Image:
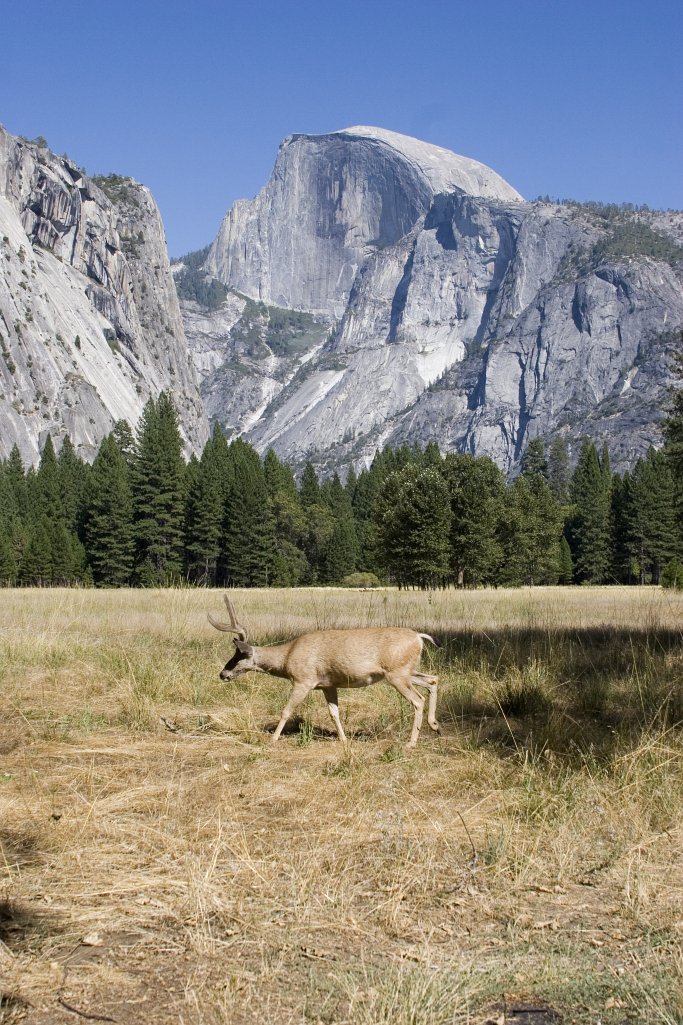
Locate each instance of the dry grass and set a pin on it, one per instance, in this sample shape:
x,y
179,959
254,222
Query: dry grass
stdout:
x,y
533,853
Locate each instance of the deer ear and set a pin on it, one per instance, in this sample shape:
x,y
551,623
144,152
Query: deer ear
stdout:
x,y
243,647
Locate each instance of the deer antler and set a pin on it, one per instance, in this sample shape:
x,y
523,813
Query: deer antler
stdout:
x,y
233,627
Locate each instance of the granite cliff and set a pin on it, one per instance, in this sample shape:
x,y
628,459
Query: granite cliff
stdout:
x,y
90,325
331,202
442,307
377,290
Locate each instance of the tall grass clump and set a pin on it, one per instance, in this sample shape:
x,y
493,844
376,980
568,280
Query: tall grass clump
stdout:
x,y
410,993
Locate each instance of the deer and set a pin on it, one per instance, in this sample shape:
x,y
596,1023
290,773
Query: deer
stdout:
x,y
328,660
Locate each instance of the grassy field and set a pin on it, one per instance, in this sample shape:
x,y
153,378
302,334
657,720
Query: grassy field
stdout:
x,y
530,857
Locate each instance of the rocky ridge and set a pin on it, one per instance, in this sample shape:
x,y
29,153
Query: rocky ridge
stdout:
x,y
457,312
90,325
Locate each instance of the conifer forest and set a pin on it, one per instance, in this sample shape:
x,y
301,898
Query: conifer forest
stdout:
x,y
142,516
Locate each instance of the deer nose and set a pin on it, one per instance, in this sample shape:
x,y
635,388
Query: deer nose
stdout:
x,y
225,674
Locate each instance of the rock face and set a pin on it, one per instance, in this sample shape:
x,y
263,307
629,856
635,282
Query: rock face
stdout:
x,y
90,325
582,351
245,353
378,290
331,202
457,312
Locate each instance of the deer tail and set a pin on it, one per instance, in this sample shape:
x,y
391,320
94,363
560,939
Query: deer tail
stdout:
x,y
430,639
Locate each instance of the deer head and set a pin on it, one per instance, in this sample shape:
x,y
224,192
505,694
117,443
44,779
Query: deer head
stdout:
x,y
243,659
241,662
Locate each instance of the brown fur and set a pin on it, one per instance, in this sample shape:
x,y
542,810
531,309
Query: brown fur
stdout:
x,y
330,659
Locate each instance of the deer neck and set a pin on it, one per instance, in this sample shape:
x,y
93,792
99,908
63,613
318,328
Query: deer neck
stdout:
x,y
272,659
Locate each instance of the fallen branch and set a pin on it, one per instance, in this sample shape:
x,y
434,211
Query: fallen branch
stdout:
x,y
84,1014
75,1010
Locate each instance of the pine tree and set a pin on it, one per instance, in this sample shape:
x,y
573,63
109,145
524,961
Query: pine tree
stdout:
x,y
15,478
63,571
534,461
48,525
621,517
532,532
110,544
339,557
565,566
364,504
289,563
319,524
673,434
414,526
248,539
309,490
590,525
533,550
8,505
8,520
158,493
208,481
125,440
477,490
277,475
14,509
71,475
559,474
319,532
605,467
18,541
431,455
653,526
35,569
351,482
47,491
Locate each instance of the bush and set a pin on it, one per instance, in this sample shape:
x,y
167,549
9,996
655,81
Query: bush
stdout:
x,y
673,575
361,580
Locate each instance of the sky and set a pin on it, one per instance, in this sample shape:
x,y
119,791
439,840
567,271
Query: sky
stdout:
x,y
576,100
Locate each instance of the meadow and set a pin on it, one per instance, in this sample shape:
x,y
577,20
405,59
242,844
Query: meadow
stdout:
x,y
161,861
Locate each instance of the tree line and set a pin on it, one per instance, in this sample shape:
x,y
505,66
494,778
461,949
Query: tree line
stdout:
x,y
141,516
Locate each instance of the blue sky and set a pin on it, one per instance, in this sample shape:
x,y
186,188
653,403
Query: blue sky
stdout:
x,y
576,99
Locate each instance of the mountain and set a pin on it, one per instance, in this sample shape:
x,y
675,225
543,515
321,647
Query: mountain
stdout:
x,y
331,202
90,325
378,290
381,290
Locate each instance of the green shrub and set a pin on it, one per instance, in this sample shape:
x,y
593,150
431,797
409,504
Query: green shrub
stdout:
x,y
673,575
361,580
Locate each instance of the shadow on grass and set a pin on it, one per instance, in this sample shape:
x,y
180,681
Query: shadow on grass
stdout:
x,y
563,690
24,928
303,727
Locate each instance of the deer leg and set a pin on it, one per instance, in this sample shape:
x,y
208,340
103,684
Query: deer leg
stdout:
x,y
403,685
299,692
431,683
333,708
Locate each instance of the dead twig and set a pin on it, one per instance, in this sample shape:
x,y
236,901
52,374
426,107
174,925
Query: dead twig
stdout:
x,y
469,837
170,726
84,1014
76,1010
